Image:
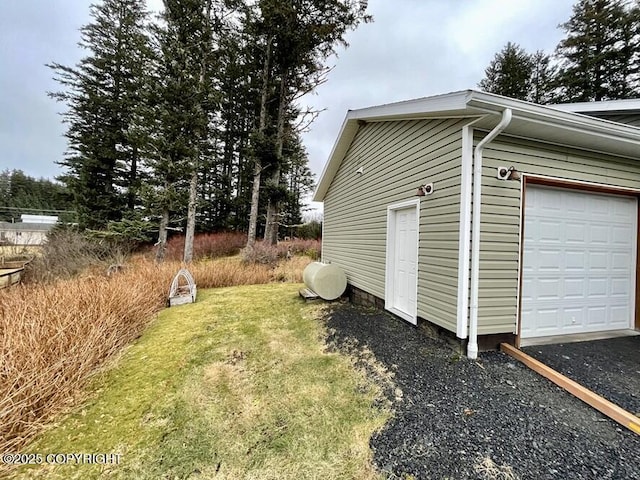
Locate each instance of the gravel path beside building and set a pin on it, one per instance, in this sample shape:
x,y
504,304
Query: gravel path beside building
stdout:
x,y
461,419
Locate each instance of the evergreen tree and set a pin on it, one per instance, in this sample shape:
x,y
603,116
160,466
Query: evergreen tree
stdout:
x,y
543,78
185,101
299,182
179,120
297,37
22,194
598,55
103,95
509,73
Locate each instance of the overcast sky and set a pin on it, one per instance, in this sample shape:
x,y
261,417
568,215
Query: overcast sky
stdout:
x,y
414,48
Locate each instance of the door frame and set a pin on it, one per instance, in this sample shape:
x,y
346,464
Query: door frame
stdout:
x,y
586,187
392,211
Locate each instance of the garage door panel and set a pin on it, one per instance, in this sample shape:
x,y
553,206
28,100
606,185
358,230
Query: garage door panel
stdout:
x,y
573,317
623,210
578,272
547,319
599,235
548,288
597,315
622,236
574,288
620,315
550,201
548,260
574,205
621,262
527,287
598,205
549,232
620,288
575,260
598,261
597,287
576,233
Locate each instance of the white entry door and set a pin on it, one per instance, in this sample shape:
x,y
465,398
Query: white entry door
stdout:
x,y
579,262
402,260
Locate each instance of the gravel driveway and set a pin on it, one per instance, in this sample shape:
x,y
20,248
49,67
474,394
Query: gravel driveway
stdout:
x,y
460,419
610,367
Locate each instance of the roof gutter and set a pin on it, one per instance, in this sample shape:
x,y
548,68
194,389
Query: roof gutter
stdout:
x,y
472,347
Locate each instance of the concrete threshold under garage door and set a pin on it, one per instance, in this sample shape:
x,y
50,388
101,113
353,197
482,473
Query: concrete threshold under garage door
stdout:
x,y
610,367
577,337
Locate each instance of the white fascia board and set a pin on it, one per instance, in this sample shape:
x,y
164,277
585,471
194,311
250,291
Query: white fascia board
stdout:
x,y
448,102
609,106
554,118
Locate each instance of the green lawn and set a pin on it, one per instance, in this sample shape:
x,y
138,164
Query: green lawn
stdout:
x,y
238,385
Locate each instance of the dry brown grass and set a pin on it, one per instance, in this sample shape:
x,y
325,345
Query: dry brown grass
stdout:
x,y
267,254
53,337
487,469
207,245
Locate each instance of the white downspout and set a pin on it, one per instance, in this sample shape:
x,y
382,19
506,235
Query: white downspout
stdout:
x,y
472,347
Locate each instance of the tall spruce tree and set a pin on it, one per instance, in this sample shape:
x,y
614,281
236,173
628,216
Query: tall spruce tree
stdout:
x,y
598,55
517,74
298,36
542,84
228,195
184,102
103,96
509,73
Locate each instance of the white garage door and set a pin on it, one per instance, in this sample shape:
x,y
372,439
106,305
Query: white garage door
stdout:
x,y
579,262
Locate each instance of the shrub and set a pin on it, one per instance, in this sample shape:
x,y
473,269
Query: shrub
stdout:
x,y
310,248
68,252
207,245
133,231
310,231
263,253
266,254
291,270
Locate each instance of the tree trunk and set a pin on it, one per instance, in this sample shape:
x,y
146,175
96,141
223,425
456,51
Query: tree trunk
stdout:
x,y
133,180
162,236
255,197
257,171
200,135
274,205
191,216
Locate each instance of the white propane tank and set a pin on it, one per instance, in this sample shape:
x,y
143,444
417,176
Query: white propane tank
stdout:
x,y
328,281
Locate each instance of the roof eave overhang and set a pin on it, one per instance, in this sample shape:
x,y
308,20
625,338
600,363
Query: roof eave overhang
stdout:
x,y
551,125
617,107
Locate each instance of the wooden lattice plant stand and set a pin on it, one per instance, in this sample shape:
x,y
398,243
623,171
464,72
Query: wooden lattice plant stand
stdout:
x,y
182,292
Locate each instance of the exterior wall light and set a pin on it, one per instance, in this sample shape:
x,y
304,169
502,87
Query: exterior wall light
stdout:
x,y
510,173
426,189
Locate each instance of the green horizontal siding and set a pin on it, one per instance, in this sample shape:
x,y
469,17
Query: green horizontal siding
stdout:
x,y
500,221
396,158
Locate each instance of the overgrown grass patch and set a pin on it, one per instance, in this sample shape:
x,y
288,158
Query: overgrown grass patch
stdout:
x,y
54,336
237,385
